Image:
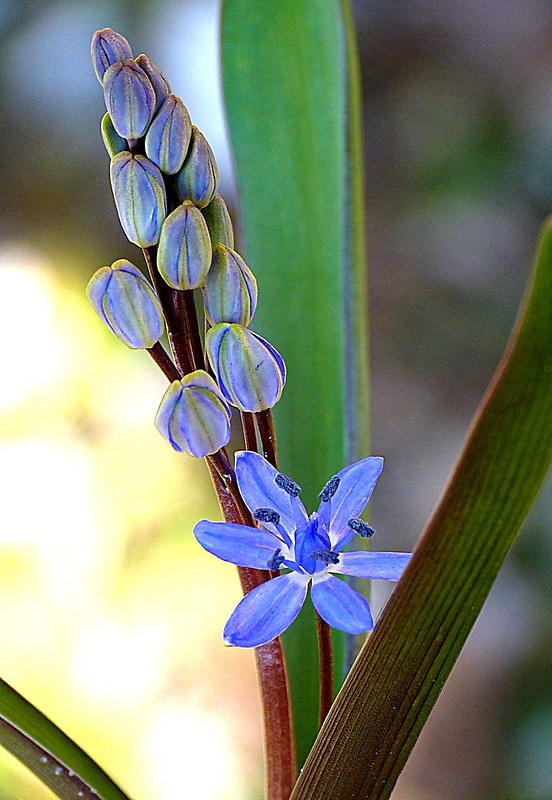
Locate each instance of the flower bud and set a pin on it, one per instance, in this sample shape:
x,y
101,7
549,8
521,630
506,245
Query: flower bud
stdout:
x,y
108,47
127,304
158,81
193,415
250,372
219,222
184,253
198,178
140,197
113,142
230,288
129,97
169,135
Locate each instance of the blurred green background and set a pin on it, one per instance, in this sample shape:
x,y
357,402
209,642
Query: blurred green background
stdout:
x,y
110,615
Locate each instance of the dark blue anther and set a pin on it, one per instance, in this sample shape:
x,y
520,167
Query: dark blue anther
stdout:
x,y
361,527
276,561
267,515
289,486
327,556
329,489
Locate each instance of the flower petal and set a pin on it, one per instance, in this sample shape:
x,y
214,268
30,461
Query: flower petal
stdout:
x,y
266,611
377,566
356,484
258,487
239,544
341,606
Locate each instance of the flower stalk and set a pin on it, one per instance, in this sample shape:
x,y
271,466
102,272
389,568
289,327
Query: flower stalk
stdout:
x,y
325,651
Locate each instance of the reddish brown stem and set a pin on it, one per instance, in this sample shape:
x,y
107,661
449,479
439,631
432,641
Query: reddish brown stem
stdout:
x,y
164,362
325,651
267,433
249,431
226,486
180,335
281,767
193,328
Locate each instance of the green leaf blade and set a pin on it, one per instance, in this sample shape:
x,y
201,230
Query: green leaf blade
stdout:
x,y
283,75
293,114
400,672
49,753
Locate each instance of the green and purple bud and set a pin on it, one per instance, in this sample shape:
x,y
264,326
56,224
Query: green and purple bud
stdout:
x,y
106,49
126,302
129,98
198,178
113,142
184,253
169,135
250,372
219,222
193,416
158,81
139,192
230,288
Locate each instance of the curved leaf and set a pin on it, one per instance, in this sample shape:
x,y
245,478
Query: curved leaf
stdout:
x,y
397,678
51,754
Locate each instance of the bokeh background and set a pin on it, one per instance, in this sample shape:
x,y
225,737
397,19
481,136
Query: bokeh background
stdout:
x,y
110,615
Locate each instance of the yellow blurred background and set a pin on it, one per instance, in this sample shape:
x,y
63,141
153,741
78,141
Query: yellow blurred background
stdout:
x,y
110,613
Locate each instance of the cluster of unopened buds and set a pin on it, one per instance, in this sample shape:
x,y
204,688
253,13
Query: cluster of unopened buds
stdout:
x,y
165,179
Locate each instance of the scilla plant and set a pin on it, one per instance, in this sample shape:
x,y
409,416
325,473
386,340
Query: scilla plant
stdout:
x,y
297,149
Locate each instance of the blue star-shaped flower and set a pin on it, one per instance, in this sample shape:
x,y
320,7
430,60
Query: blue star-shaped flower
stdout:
x,y
309,547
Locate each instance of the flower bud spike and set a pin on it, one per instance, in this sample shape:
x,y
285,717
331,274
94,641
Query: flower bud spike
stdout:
x,y
184,253
160,84
108,47
193,415
129,98
219,222
169,135
230,288
250,372
113,142
127,304
198,178
139,193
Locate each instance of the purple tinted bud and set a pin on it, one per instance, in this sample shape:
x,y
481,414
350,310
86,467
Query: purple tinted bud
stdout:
x,y
250,372
198,178
107,48
169,135
127,304
219,222
158,81
140,197
129,97
113,142
230,288
184,254
193,416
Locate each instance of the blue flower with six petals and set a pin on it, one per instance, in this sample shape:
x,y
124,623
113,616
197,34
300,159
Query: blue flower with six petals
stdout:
x,y
309,547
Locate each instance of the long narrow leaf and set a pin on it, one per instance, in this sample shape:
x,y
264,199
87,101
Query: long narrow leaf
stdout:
x,y
51,754
285,86
397,678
